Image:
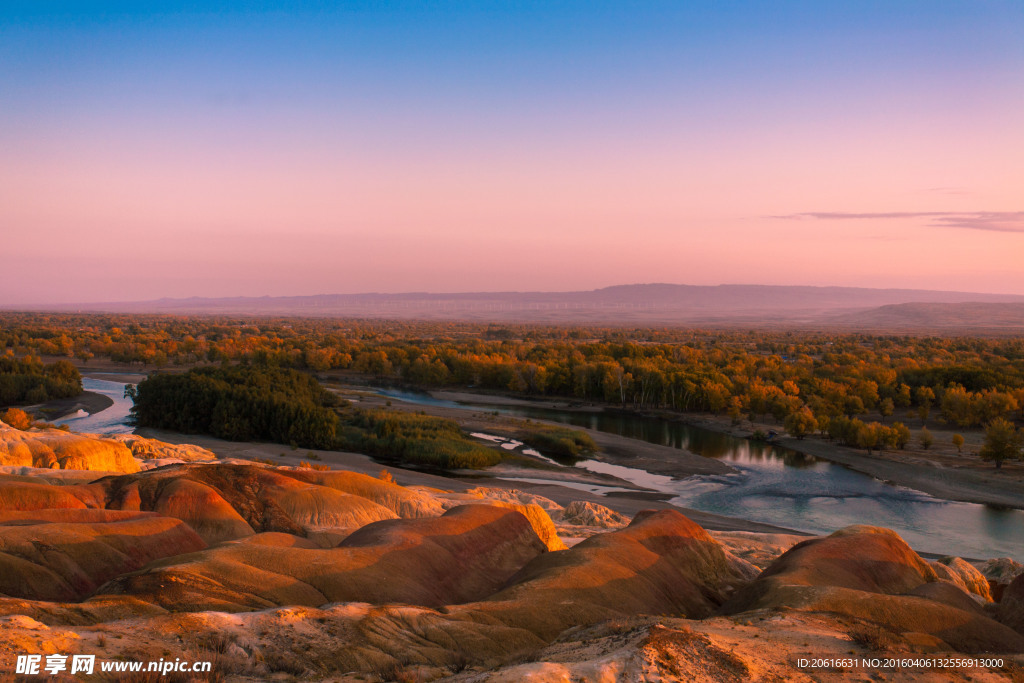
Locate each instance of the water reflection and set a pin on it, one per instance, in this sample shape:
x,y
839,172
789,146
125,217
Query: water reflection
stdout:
x,y
789,489
112,420
651,429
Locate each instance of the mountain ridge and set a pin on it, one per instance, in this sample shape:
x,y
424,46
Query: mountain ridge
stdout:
x,y
650,303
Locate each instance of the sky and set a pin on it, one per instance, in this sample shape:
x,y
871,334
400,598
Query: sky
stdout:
x,y
174,149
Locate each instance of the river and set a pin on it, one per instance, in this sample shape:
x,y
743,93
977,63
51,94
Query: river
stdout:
x,y
111,420
783,487
772,484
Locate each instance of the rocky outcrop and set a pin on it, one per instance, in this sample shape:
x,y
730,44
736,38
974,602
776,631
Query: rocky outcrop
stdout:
x,y
466,554
534,508
662,563
224,502
1000,573
960,572
585,513
862,558
511,496
758,549
57,449
24,493
153,449
871,574
198,505
1010,610
474,590
539,520
405,503
58,555
220,502
359,574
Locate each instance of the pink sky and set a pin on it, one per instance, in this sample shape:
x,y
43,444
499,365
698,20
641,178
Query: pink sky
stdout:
x,y
105,196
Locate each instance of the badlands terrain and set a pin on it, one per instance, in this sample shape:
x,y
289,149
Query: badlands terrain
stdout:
x,y
133,549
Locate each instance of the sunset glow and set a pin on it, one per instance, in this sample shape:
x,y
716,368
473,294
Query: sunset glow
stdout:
x,y
410,147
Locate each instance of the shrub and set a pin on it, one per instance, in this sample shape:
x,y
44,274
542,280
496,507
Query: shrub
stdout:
x,y
16,418
29,381
558,442
417,439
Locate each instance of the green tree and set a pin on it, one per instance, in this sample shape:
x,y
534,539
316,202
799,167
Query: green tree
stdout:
x,y
902,399
925,397
801,422
853,405
823,423
869,436
735,409
1002,442
993,404
886,408
959,405
888,437
901,435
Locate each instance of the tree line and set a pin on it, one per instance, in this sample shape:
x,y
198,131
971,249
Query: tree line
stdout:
x,y
968,382
282,405
28,380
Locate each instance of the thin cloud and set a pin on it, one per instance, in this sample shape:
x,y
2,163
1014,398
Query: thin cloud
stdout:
x,y
993,221
998,221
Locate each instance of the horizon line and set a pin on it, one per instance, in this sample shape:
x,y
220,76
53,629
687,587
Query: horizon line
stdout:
x,y
67,304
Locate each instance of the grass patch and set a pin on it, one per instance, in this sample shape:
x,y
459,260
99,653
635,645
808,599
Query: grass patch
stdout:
x,y
412,438
557,442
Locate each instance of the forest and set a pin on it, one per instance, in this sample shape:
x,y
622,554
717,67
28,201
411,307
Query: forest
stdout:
x,y
28,380
239,403
282,405
810,381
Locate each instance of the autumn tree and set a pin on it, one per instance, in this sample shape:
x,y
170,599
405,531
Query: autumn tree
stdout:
x,y
901,435
926,438
800,423
958,441
902,398
956,405
869,436
16,418
993,404
823,421
886,408
1002,442
925,397
735,409
853,405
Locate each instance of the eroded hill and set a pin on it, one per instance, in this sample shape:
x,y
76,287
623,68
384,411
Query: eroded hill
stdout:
x,y
306,575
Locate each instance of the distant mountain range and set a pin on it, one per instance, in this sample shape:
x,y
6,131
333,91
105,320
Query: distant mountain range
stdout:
x,y
744,305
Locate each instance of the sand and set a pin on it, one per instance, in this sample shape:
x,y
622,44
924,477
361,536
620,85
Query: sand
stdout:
x,y
89,401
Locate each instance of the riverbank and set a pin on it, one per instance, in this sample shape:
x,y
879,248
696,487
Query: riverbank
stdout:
x,y
614,449
566,487
939,471
938,474
88,401
124,377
